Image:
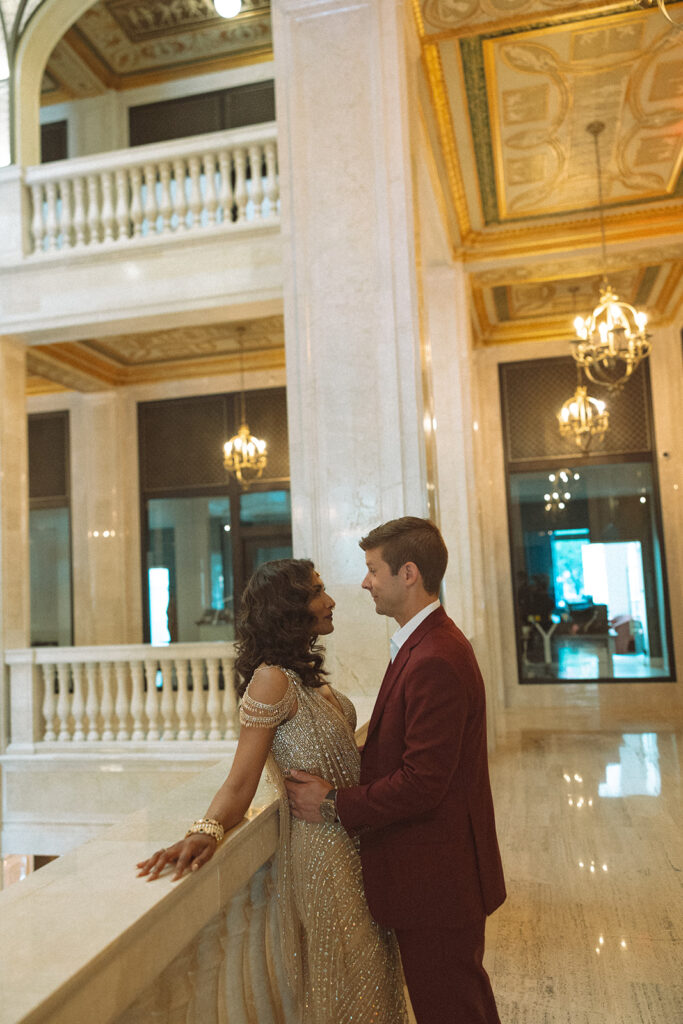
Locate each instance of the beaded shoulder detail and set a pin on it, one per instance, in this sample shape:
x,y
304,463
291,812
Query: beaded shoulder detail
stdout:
x,y
257,715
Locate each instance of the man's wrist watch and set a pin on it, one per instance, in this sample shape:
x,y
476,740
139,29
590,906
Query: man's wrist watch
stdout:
x,y
328,807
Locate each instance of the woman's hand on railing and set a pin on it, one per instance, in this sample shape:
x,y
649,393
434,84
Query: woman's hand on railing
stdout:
x,y
188,855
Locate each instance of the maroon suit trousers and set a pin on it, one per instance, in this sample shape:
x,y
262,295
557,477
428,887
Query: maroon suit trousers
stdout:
x,y
445,976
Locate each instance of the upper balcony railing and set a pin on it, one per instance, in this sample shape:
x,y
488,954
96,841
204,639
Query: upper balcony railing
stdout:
x,y
219,181
134,696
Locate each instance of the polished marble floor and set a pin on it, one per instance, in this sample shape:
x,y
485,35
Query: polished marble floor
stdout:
x,y
592,841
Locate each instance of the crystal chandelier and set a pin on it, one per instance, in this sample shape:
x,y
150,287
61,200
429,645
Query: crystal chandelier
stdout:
x,y
612,341
583,418
244,455
558,495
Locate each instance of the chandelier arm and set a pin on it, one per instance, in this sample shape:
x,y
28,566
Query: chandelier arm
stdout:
x,y
662,6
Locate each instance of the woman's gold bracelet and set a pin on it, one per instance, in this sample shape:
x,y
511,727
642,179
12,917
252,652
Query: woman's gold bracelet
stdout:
x,y
207,827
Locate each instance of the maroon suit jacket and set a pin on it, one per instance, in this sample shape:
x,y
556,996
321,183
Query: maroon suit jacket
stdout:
x,y
423,808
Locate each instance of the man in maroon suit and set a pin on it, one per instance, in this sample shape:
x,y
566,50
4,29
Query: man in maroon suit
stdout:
x,y
423,808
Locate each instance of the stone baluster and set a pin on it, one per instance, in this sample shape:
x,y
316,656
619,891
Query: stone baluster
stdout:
x,y
63,702
229,699
79,216
257,960
49,703
182,699
233,941
107,702
210,194
241,194
167,702
92,702
196,202
151,211
122,200
272,185
136,200
94,208
78,702
165,204
108,218
152,699
52,220
137,700
213,703
122,702
199,732
208,992
179,195
225,197
37,223
257,193
66,212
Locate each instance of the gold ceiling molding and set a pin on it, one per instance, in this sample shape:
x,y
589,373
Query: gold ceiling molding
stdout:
x,y
667,301
497,18
442,111
75,365
577,266
628,226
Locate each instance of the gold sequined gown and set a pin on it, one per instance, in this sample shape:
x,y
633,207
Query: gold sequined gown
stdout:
x,y
343,966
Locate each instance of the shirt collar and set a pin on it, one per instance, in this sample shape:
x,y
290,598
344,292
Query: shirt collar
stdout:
x,y
401,635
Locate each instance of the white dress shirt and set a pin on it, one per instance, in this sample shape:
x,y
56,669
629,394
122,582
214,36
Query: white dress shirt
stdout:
x,y
401,635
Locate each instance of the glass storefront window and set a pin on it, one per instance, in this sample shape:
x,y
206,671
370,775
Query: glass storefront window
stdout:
x,y
50,553
589,578
200,552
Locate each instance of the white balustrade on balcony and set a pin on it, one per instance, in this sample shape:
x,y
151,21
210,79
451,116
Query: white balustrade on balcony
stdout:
x,y
205,950
75,697
223,180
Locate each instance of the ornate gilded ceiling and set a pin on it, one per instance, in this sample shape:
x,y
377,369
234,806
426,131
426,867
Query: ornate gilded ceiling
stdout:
x,y
122,44
150,357
511,87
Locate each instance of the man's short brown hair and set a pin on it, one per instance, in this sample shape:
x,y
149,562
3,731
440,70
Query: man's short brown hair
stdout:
x,y
410,539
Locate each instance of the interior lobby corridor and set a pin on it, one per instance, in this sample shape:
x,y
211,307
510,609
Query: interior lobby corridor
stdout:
x,y
589,822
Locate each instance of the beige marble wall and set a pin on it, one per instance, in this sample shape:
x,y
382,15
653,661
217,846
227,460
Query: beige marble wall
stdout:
x,y
353,372
14,558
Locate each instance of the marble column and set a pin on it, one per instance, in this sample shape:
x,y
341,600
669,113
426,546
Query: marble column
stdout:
x,y
456,419
15,613
105,521
351,323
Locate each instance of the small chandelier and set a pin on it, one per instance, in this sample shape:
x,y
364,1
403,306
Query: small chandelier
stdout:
x,y
613,340
244,455
583,418
558,494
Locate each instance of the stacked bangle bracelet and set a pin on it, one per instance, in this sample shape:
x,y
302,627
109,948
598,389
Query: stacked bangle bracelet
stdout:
x,y
207,827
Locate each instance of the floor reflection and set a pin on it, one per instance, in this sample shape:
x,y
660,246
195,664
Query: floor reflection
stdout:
x,y
637,773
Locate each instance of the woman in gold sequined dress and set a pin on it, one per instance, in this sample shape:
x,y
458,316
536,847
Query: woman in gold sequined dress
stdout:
x,y
343,967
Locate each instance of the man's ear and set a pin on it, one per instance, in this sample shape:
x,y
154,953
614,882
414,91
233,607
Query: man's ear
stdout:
x,y
411,574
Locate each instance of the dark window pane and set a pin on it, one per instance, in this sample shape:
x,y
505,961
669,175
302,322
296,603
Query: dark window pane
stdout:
x,y
53,142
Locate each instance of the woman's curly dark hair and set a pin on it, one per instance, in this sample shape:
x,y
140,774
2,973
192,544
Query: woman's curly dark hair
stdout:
x,y
274,623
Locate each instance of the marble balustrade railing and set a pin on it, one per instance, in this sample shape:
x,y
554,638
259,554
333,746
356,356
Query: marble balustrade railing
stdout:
x,y
205,950
222,179
83,697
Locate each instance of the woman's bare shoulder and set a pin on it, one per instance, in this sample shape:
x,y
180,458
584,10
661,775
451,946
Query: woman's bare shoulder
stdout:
x,y
268,685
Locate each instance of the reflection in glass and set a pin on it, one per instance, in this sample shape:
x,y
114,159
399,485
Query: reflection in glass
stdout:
x,y
590,596
200,554
50,553
637,773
